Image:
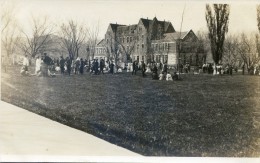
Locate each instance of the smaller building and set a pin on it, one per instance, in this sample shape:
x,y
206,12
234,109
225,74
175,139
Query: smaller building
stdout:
x,y
100,51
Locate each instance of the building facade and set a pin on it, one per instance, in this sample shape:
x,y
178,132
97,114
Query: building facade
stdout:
x,y
149,41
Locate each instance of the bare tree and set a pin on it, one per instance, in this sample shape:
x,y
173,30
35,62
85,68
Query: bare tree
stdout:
x,y
37,40
115,47
217,23
230,53
7,15
92,36
258,25
203,45
247,50
258,17
73,36
9,29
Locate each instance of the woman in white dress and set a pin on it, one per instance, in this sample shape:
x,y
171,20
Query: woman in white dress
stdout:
x,y
148,68
38,65
168,77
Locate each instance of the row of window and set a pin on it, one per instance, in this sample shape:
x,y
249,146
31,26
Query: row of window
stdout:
x,y
160,46
136,58
157,58
130,39
100,50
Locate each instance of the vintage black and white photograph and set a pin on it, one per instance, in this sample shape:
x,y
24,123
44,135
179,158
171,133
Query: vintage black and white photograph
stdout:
x,y
93,80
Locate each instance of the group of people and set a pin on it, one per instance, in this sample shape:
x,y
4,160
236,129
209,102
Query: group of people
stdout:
x,y
67,65
44,64
41,66
154,68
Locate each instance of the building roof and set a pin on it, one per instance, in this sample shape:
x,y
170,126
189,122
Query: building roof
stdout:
x,y
101,43
114,26
175,35
127,28
148,23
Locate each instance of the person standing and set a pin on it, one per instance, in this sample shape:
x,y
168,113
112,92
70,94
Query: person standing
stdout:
x,y
68,64
96,67
112,67
77,64
165,67
62,64
81,68
134,68
38,65
102,65
143,68
155,73
47,62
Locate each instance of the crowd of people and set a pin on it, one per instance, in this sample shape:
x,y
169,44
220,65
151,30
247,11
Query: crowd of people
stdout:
x,y
44,66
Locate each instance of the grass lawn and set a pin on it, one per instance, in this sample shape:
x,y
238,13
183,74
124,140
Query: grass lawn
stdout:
x,y
202,115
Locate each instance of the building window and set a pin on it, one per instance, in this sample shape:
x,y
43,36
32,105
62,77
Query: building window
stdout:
x,y
156,47
142,37
163,46
137,59
137,47
157,59
142,58
127,39
166,58
130,39
142,46
166,46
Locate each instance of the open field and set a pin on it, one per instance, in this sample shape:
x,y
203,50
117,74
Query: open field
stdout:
x,y
202,115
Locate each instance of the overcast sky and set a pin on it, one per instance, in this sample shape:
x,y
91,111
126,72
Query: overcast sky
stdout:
x,y
242,13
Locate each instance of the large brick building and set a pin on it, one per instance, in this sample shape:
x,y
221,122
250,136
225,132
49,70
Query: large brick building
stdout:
x,y
149,41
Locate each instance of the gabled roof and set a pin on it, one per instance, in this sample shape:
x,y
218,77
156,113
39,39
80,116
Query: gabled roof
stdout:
x,y
114,26
146,22
102,42
164,24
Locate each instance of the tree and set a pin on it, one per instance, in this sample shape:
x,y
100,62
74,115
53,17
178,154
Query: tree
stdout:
x,y
203,45
217,23
247,50
73,36
36,40
9,30
258,25
258,17
92,34
116,46
230,52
